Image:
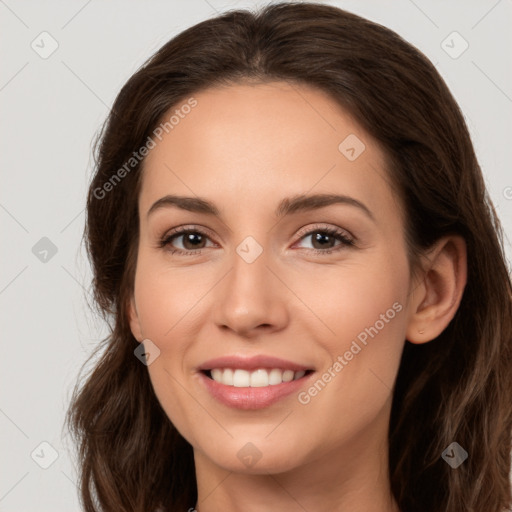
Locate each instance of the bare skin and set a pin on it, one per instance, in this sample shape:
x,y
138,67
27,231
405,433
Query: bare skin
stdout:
x,y
245,148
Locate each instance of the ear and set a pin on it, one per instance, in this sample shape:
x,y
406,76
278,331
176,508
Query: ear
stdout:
x,y
436,299
134,320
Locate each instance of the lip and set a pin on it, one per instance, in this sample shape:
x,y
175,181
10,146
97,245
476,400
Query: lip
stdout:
x,y
252,363
251,398
248,398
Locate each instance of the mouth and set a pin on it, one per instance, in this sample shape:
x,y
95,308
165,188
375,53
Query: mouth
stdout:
x,y
259,378
252,383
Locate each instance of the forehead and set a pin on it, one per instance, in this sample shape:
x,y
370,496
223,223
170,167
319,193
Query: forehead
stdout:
x,y
254,141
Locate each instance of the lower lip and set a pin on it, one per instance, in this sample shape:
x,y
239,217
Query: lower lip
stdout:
x,y
251,398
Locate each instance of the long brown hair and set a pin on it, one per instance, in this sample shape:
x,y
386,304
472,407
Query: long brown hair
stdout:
x,y
457,388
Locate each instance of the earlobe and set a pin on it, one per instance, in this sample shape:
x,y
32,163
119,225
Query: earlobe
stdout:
x,y
134,320
436,300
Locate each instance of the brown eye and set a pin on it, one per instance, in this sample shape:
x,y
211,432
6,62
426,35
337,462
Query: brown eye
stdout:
x,y
191,241
324,240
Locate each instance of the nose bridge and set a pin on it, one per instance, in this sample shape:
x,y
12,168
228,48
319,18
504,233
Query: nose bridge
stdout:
x,y
249,297
249,268
248,280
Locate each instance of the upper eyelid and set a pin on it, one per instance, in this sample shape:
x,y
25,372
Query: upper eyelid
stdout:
x,y
307,230
181,230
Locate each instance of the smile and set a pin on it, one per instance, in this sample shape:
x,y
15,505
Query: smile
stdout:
x,y
252,382
255,379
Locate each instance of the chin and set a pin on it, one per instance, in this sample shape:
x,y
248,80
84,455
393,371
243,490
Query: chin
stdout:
x,y
255,457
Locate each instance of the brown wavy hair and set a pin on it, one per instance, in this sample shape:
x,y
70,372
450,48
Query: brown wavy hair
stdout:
x,y
457,387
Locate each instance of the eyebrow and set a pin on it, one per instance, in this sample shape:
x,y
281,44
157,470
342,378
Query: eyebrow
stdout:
x,y
287,206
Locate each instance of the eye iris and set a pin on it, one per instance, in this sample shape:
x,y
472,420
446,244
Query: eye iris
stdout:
x,y
321,238
193,238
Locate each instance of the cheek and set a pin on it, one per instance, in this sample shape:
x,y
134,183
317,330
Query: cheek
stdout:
x,y
166,298
363,312
165,301
354,297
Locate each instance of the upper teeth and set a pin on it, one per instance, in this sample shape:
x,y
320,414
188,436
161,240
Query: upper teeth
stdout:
x,y
256,379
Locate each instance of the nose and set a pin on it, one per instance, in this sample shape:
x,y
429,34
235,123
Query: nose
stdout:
x,y
251,300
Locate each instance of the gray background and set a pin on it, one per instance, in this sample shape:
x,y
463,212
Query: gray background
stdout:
x,y
51,109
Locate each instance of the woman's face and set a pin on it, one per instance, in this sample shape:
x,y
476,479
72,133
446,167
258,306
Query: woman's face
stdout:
x,y
274,280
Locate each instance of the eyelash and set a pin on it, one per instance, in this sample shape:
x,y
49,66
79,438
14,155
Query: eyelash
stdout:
x,y
346,241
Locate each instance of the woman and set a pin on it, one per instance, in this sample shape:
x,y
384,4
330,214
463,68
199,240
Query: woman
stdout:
x,y
311,308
